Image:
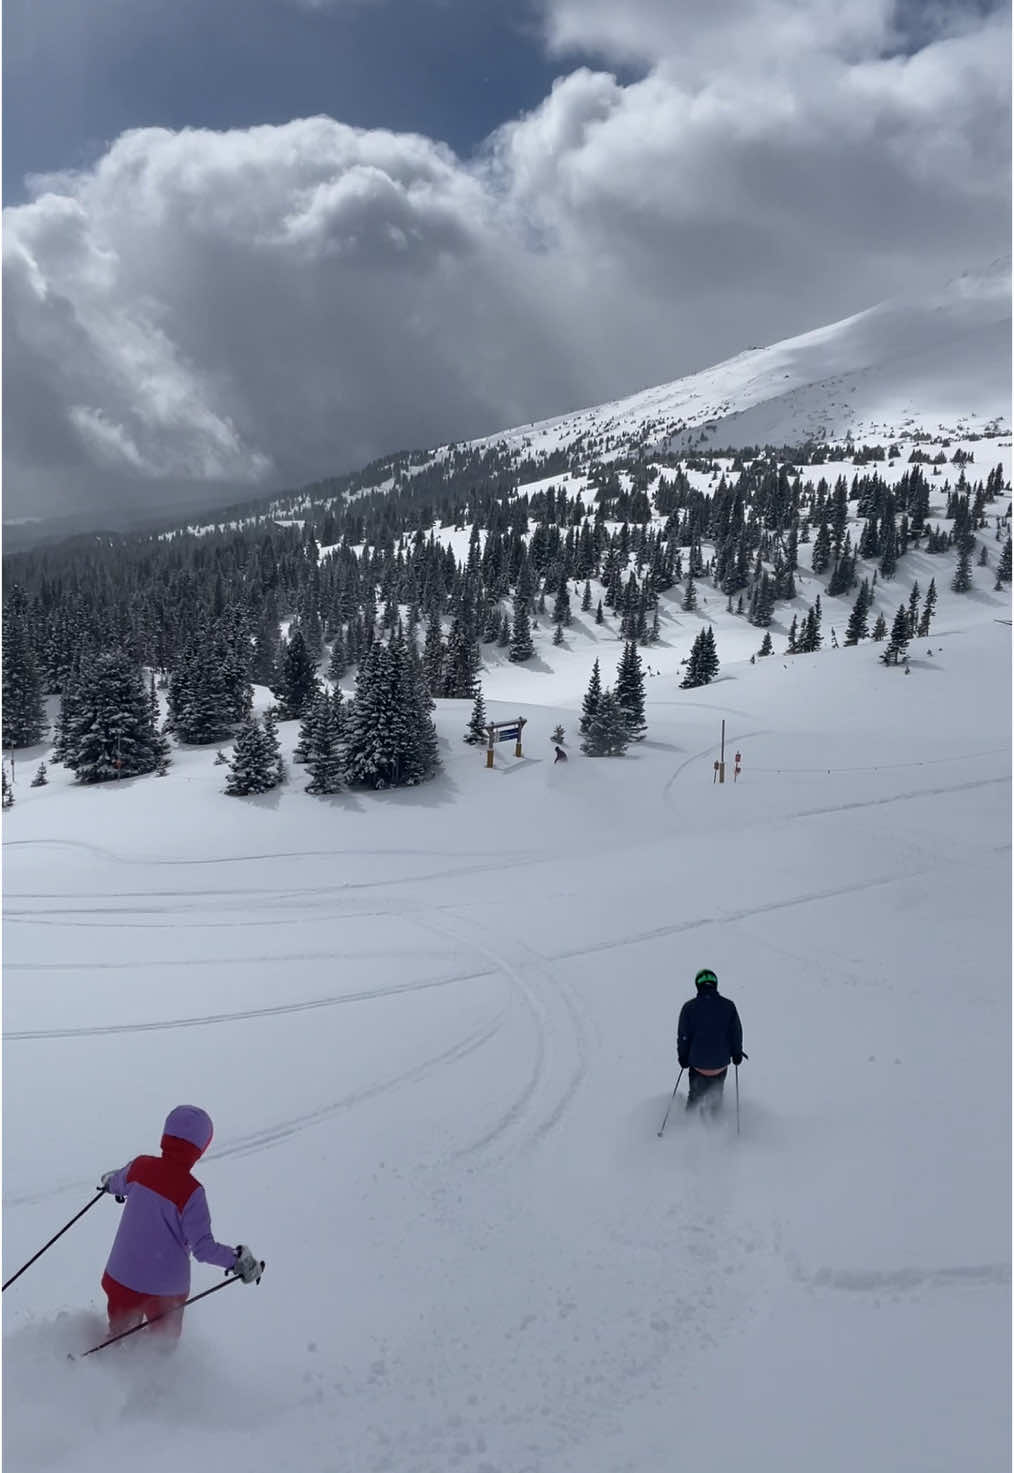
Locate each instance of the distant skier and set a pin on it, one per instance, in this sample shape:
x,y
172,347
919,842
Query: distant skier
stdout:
x,y
561,756
165,1219
708,1035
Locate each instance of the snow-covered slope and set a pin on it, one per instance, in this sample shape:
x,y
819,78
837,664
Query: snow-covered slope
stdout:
x,y
938,363
435,1031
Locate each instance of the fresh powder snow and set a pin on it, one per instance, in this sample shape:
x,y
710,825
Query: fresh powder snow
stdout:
x,y
435,1030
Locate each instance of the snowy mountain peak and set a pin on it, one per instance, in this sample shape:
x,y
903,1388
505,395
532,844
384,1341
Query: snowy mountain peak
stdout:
x,y
937,362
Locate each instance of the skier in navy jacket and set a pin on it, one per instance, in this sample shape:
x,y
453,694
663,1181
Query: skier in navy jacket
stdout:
x,y
708,1035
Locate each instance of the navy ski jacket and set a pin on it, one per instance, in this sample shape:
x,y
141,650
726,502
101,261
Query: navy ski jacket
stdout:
x,y
709,1032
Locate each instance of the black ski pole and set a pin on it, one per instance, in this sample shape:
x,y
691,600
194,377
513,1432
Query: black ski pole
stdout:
x,y
662,1127
737,1097
231,1279
88,1208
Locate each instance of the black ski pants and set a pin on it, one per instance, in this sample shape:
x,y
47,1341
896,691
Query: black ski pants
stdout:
x,y
705,1090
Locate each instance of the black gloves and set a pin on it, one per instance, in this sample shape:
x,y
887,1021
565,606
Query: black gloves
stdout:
x,y
737,1059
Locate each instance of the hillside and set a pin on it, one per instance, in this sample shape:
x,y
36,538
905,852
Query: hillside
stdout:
x,y
938,364
434,1028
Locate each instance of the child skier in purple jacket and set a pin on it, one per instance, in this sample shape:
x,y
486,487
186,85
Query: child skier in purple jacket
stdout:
x,y
165,1219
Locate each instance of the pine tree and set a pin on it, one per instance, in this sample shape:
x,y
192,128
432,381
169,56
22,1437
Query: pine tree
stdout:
x,y
297,685
1003,567
521,646
702,667
586,597
689,601
962,580
40,779
476,732
762,603
272,744
821,556
433,656
900,635
561,605
24,716
600,617
810,638
928,607
338,662
630,691
324,760
888,545
112,735
608,733
767,648
879,629
252,768
390,739
592,696
558,635
202,696
8,791
858,626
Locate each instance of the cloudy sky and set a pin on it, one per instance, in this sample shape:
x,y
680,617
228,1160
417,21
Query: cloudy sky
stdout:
x,y
255,243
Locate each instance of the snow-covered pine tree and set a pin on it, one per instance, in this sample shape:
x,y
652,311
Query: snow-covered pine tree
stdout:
x,y
879,629
561,606
767,648
1003,567
607,734
962,580
461,663
858,626
272,744
24,716
297,683
253,768
202,704
40,779
900,635
306,740
8,790
521,646
111,735
629,691
928,607
433,655
390,738
475,732
702,667
338,662
592,696
689,601
422,755
325,759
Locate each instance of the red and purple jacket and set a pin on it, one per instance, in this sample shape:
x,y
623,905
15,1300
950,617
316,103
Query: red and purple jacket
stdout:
x,y
165,1216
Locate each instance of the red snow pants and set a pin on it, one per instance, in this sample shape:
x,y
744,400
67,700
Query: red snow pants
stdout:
x,y
127,1309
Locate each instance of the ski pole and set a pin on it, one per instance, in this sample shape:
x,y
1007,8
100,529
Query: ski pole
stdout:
x,y
88,1208
231,1279
737,1097
670,1105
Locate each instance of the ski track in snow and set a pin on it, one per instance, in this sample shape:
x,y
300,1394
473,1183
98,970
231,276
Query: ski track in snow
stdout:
x,y
206,1020
557,1022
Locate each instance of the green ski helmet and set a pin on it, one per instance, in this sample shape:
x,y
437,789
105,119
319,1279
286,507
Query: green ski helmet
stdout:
x,y
705,978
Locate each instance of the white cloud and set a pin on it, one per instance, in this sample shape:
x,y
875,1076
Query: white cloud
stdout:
x,y
271,304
